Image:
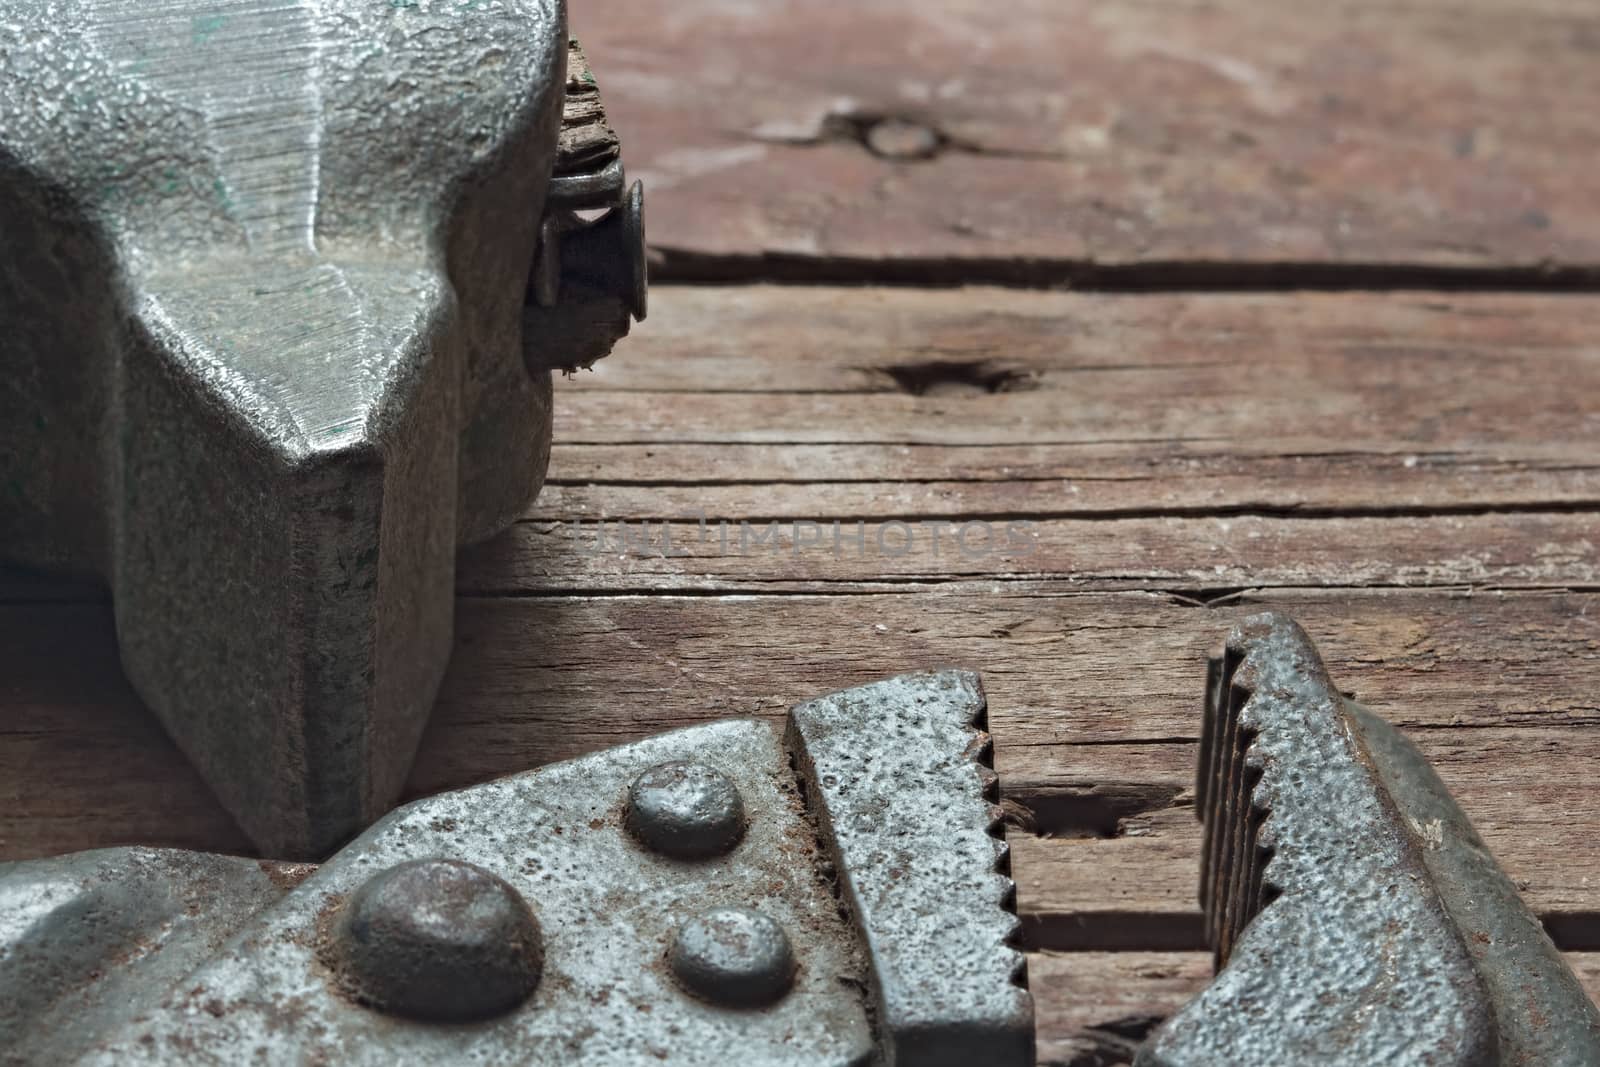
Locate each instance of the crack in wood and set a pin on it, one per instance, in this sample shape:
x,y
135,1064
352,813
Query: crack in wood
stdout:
x,y
954,377
1097,809
1224,511
1109,1044
682,266
1138,931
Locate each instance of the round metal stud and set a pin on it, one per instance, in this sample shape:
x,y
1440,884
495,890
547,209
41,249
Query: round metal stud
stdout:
x,y
439,940
733,956
686,810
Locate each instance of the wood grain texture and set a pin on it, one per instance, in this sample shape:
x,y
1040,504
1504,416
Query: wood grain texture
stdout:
x,y
1381,439
1411,475
1094,705
1077,404
1198,556
1236,133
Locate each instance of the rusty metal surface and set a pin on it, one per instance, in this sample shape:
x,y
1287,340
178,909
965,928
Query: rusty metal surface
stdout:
x,y
605,947
266,360
1356,916
87,940
912,817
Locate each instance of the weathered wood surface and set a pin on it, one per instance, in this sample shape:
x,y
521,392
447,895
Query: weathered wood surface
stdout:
x,y
1357,438
1065,555
1094,702
880,402
1204,139
1412,475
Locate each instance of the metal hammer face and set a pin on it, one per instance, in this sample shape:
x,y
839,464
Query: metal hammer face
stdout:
x,y
1356,916
262,357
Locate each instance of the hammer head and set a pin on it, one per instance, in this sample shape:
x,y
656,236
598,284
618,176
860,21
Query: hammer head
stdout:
x,y
262,357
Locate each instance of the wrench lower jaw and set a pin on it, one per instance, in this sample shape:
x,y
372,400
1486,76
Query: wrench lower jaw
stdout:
x,y
838,897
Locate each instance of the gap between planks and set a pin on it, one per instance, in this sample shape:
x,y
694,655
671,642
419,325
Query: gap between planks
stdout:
x,y
686,266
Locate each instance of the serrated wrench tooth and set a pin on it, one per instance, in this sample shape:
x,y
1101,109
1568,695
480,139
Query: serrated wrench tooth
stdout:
x,y
922,862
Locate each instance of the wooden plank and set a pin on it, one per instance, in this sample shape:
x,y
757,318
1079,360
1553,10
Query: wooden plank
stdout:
x,y
1440,133
790,404
1094,1008
937,544
1376,352
1087,405
1094,705
1280,486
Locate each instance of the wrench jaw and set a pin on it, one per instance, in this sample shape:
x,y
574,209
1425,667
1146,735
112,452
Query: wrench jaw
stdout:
x,y
1354,916
898,775
720,894
1543,1013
